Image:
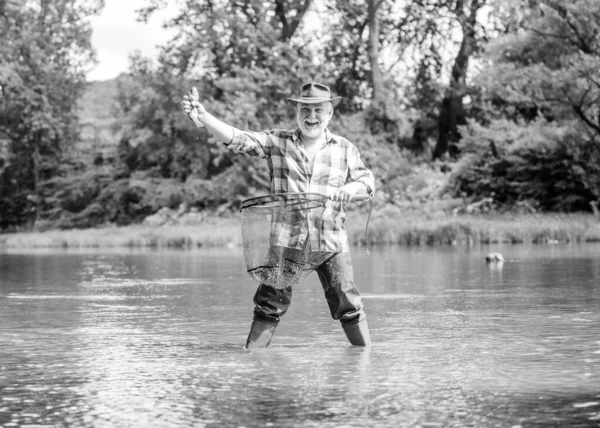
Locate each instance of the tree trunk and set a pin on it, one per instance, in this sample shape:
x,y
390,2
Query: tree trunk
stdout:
x,y
451,110
373,49
289,27
36,161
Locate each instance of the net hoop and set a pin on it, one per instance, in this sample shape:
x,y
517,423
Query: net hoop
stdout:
x,y
289,202
283,202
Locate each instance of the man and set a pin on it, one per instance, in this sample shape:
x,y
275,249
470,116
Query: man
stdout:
x,y
307,159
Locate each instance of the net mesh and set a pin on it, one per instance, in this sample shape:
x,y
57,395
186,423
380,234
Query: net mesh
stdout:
x,y
275,231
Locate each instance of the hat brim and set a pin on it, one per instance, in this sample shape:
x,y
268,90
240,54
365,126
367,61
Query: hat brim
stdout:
x,y
312,100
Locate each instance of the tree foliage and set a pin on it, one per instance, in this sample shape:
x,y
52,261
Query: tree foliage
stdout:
x,y
541,166
551,67
545,78
44,51
513,85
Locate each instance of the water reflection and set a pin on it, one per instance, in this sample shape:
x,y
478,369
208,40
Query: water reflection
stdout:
x,y
156,339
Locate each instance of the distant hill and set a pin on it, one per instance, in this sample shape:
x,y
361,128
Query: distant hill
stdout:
x,y
99,139
98,99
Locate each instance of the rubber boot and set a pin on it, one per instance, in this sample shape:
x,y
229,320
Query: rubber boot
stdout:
x,y
357,332
261,334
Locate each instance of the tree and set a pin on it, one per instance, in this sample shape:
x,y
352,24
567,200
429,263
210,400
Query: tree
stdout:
x,y
452,110
373,7
243,56
539,143
550,67
354,34
219,37
43,57
290,14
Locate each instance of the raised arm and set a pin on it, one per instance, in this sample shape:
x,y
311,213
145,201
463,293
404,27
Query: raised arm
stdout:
x,y
198,114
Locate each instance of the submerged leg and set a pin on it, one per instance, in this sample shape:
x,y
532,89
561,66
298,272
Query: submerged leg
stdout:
x,y
345,304
261,334
270,304
357,332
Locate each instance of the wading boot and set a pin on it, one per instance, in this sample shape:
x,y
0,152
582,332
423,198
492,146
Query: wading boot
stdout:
x,y
357,332
261,334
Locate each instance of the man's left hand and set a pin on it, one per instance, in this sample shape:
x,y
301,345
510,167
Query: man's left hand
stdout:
x,y
346,192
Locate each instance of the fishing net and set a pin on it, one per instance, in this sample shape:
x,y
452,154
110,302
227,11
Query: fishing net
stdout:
x,y
276,232
275,236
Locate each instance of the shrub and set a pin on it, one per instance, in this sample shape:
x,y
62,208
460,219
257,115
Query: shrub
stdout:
x,y
549,168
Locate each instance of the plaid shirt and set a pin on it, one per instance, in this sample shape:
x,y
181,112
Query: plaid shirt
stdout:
x,y
336,163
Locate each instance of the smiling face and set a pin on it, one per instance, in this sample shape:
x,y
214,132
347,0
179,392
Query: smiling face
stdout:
x,y
314,118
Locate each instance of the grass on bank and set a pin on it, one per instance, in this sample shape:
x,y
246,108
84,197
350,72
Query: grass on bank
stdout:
x,y
474,230
219,232
385,228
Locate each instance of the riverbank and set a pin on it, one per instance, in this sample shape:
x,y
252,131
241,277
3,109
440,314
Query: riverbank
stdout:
x,y
385,228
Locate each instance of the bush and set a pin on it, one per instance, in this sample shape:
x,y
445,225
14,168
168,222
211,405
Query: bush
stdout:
x,y
547,167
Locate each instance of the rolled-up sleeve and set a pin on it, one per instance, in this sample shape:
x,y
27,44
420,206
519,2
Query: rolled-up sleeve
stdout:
x,y
250,143
358,171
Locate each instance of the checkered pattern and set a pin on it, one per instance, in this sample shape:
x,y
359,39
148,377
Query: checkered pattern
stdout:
x,y
336,163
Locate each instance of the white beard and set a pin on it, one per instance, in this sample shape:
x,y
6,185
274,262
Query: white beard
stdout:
x,y
312,131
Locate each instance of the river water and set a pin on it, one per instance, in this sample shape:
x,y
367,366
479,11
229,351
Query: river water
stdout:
x,y
155,339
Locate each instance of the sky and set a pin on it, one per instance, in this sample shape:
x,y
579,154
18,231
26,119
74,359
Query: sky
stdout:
x,y
117,33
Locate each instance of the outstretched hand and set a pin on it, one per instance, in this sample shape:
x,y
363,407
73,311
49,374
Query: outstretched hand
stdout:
x,y
192,107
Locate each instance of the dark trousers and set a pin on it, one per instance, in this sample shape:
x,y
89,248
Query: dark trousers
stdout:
x,y
337,278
